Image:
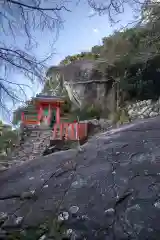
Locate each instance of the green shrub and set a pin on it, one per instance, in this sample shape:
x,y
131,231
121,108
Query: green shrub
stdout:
x,y
124,117
120,116
93,112
66,107
85,114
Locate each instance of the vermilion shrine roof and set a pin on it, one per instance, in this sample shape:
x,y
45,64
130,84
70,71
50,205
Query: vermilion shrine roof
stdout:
x,y
48,98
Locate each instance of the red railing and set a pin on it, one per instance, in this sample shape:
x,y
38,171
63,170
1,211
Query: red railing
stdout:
x,y
71,131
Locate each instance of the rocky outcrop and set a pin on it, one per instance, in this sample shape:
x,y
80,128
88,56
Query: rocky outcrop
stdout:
x,y
144,109
95,92
108,190
84,84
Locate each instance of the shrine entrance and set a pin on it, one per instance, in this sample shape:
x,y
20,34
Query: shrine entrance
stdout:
x,y
47,113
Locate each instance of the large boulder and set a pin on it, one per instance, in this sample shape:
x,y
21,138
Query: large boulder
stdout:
x,y
108,189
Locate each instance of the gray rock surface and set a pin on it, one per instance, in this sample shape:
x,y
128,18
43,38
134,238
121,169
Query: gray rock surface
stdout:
x,y
109,190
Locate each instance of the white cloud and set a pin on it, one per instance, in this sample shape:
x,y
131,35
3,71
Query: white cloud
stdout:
x,y
92,12
95,30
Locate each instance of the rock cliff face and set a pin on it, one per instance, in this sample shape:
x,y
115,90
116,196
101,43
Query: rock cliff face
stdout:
x,y
95,92
86,83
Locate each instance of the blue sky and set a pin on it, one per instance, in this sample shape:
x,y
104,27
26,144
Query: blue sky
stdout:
x,y
80,33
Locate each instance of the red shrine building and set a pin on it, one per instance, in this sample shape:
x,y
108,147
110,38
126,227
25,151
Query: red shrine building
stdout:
x,y
48,112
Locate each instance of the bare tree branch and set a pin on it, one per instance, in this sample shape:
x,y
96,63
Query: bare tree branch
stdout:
x,y
38,7
20,22
114,8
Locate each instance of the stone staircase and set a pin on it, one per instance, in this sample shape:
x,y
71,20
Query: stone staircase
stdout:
x,y
34,145
40,142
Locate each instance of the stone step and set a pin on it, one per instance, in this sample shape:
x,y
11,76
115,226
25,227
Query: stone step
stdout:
x,y
35,145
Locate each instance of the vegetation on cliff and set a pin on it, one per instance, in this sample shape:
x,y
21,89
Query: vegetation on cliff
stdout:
x,y
129,58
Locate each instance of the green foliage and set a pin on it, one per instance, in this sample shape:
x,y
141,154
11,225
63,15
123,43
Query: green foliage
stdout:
x,y
120,116
131,56
66,107
88,112
83,55
96,50
142,80
124,117
93,112
8,138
